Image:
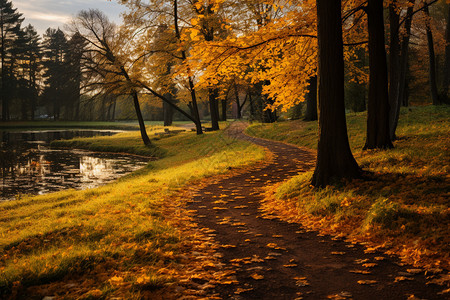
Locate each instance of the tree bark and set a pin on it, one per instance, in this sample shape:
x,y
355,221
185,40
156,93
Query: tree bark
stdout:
x,y
394,67
402,84
213,108
137,107
238,102
224,109
432,59
446,75
334,157
311,100
378,135
168,114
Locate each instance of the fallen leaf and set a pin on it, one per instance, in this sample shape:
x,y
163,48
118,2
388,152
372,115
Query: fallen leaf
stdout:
x,y
369,265
241,290
402,278
363,282
257,276
360,271
301,281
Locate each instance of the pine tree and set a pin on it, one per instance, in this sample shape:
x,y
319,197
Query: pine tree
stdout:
x,y
55,49
31,66
10,21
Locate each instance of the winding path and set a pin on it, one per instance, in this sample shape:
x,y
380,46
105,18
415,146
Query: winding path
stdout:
x,y
278,260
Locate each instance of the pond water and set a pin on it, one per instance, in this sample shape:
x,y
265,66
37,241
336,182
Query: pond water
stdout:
x,y
29,166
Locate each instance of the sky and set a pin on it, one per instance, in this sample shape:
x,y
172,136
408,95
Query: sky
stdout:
x,y
43,14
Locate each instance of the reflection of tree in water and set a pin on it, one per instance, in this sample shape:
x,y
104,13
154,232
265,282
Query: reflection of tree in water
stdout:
x,y
20,162
8,159
95,168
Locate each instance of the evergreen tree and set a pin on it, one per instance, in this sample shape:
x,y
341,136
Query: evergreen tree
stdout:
x,y
76,48
31,58
56,73
10,21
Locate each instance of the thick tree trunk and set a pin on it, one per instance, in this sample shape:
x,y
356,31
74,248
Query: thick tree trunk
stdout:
x,y
167,113
224,109
311,100
137,107
446,74
432,60
334,157
378,135
394,67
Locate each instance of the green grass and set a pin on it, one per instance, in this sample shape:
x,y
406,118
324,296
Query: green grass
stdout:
x,y
121,230
403,204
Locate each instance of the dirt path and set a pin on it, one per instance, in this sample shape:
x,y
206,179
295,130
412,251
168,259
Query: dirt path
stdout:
x,y
277,260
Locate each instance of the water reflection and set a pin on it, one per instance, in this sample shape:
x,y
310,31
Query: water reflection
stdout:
x,y
29,166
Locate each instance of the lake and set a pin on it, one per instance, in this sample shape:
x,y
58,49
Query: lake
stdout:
x,y
29,166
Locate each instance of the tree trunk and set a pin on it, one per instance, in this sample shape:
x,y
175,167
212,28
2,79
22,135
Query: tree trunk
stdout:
x,y
378,135
224,109
394,67
238,102
252,105
168,113
311,100
432,59
402,84
114,109
137,107
446,75
213,107
334,157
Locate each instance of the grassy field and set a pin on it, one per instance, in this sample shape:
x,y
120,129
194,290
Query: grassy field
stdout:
x,y
402,206
122,239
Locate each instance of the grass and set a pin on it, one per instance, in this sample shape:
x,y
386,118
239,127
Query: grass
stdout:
x,y
402,205
122,239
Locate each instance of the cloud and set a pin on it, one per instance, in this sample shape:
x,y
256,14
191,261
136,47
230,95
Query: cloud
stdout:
x,y
43,14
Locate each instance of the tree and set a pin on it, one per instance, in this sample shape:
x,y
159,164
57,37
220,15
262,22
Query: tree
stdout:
x,y
32,58
400,85
431,57
446,79
103,59
334,157
141,25
56,74
10,22
76,48
394,65
378,135
311,100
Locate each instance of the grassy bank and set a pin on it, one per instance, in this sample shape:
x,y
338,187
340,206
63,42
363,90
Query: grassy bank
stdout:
x,y
404,204
36,125
129,142
124,239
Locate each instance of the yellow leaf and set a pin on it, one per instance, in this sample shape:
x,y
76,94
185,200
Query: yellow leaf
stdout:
x,y
257,276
